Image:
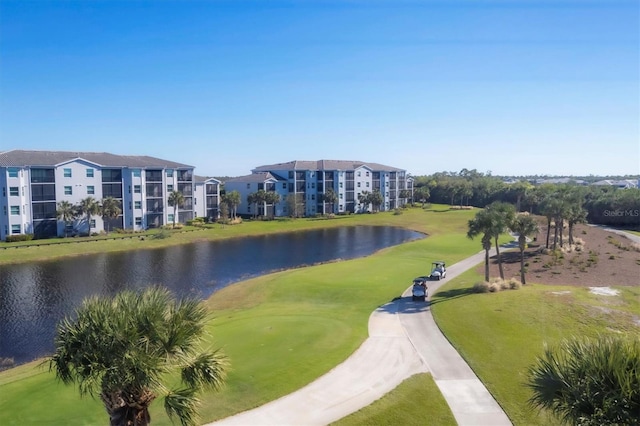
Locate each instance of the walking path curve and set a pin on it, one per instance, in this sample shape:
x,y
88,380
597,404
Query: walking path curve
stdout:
x,y
403,340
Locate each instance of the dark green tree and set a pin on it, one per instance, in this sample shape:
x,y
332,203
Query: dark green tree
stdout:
x,y
124,349
110,209
175,199
589,382
525,226
67,213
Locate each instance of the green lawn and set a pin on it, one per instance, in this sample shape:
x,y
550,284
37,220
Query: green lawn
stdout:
x,y
500,334
416,401
280,331
283,330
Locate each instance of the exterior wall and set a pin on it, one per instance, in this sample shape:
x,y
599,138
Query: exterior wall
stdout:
x,y
363,180
142,192
13,224
73,183
206,199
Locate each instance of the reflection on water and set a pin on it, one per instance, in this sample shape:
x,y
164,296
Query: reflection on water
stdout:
x,y
34,297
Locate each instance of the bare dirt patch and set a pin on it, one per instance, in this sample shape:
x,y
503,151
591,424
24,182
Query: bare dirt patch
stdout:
x,y
605,259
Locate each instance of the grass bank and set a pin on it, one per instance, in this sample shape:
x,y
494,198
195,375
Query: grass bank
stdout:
x,y
280,331
500,334
37,250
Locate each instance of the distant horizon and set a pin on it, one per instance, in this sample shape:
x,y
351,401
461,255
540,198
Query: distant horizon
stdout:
x,y
513,87
486,173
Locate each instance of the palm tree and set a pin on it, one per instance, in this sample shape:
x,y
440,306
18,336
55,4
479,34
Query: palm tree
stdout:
x,y
482,224
589,382
89,207
376,199
233,201
124,349
330,197
272,198
252,198
502,215
175,199
67,213
364,198
110,210
422,194
524,226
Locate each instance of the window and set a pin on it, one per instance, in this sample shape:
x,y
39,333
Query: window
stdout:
x,y
313,185
89,172
67,172
341,195
92,224
138,204
358,184
248,186
137,189
4,191
170,218
68,190
169,188
13,172
136,172
15,210
367,184
91,190
367,174
13,191
169,173
284,185
358,173
68,227
15,229
138,221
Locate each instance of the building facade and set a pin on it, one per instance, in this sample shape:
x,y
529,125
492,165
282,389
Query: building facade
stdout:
x,y
308,182
206,201
35,182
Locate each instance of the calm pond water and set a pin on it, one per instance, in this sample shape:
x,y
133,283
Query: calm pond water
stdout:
x,y
34,297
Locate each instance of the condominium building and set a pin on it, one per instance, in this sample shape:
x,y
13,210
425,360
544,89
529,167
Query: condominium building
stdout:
x,y
35,182
308,181
206,199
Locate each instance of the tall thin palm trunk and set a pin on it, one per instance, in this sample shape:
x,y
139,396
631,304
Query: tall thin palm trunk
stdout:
x,y
499,259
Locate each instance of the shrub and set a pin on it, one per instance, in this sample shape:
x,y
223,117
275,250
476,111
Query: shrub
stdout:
x,y
494,287
198,221
514,284
164,233
481,287
19,237
397,212
503,284
589,382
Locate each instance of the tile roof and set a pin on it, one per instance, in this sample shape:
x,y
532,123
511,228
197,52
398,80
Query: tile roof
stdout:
x,y
22,158
325,165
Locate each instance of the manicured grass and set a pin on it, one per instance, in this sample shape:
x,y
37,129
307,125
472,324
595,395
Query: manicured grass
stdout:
x,y
30,251
416,401
280,331
500,334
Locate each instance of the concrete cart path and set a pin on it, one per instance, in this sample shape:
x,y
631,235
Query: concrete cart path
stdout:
x,y
403,340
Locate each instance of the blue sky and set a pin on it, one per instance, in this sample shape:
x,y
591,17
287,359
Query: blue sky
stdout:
x,y
512,87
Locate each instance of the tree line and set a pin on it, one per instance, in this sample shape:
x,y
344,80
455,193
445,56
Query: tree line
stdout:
x,y
605,205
